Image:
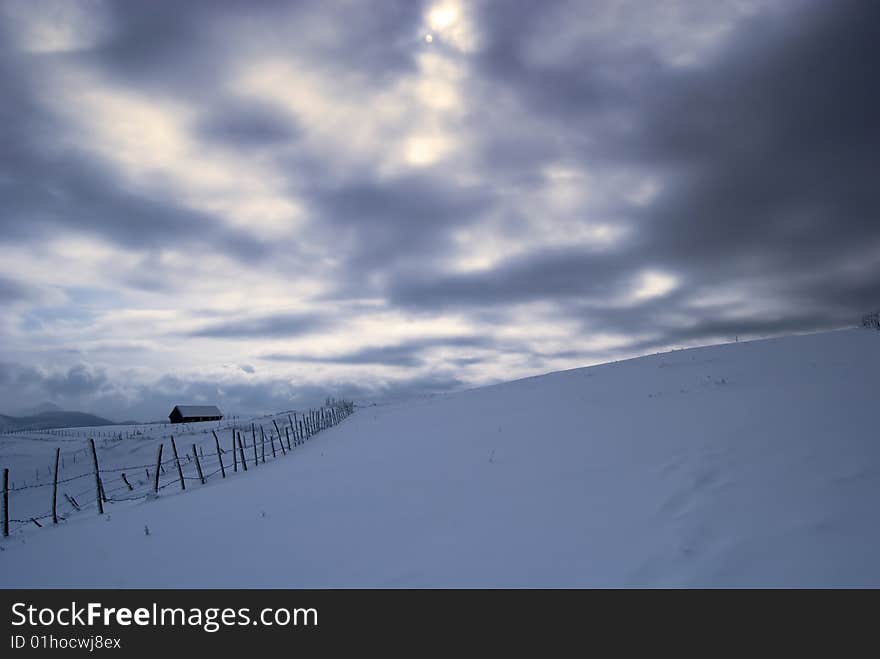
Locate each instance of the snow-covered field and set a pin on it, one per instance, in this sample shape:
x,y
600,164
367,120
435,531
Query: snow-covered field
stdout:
x,y
747,464
129,450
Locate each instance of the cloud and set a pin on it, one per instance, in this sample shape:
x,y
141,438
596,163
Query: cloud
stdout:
x,y
556,274
77,382
555,184
88,389
243,124
21,385
407,353
378,224
761,150
13,291
266,326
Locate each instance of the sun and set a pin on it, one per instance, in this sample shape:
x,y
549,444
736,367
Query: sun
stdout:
x,y
442,16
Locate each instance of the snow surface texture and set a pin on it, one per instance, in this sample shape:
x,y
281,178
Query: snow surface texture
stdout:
x,y
749,464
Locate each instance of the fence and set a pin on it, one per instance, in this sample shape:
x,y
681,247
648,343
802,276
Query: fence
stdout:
x,y
100,486
871,320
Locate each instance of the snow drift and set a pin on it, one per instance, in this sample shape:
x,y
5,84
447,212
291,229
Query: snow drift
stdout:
x,y
747,464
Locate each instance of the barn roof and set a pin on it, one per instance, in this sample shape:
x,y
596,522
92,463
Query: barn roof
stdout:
x,y
198,410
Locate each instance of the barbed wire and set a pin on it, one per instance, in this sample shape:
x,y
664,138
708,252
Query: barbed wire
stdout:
x,y
60,482
307,426
163,463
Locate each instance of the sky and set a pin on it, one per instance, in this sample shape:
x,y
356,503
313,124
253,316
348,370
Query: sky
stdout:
x,y
259,204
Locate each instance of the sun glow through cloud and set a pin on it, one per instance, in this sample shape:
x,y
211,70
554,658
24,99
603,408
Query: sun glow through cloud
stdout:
x,y
442,16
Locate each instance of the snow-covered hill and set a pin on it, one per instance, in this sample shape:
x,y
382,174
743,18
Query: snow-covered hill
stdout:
x,y
748,464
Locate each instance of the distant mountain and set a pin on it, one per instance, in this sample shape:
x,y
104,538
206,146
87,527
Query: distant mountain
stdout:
x,y
51,419
42,408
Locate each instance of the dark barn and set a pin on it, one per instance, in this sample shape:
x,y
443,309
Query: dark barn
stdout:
x,y
189,413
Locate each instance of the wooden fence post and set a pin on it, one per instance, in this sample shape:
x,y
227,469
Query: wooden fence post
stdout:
x,y
97,477
125,480
177,461
272,444
263,444
5,503
158,469
254,435
219,455
55,488
280,441
234,454
241,450
198,464
287,434
281,444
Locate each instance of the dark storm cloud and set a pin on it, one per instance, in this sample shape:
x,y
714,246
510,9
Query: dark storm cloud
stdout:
x,y
554,274
46,187
766,155
381,222
771,153
241,124
595,78
278,325
46,193
185,50
407,353
170,45
774,146
772,324
396,355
